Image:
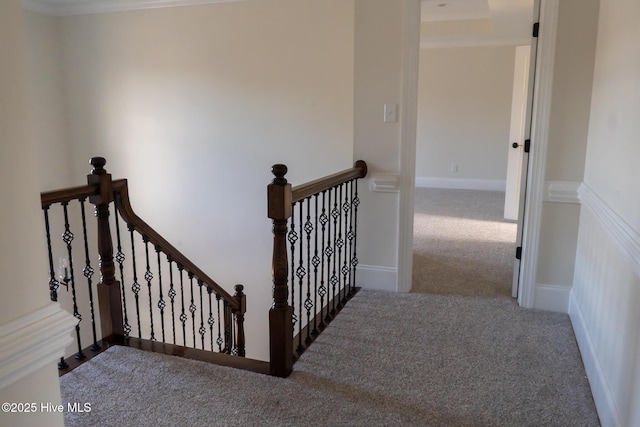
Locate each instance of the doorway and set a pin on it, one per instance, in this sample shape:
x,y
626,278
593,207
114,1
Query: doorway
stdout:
x,y
463,244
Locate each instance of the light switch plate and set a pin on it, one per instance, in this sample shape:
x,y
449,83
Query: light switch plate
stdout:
x,y
390,113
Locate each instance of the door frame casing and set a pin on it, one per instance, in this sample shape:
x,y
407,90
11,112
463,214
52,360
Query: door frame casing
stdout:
x,y
537,160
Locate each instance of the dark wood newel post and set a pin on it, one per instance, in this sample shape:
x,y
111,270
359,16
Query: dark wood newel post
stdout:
x,y
241,299
280,315
109,297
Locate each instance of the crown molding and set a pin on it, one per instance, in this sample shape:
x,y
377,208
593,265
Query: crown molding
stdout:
x,y
84,7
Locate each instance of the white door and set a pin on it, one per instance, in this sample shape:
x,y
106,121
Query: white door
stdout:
x,y
525,152
515,145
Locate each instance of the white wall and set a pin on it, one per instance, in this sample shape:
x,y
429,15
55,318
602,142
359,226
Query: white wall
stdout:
x,y
22,248
48,101
378,80
606,289
195,104
464,111
566,150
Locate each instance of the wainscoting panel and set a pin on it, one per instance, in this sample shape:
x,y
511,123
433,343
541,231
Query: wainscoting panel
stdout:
x,y
604,309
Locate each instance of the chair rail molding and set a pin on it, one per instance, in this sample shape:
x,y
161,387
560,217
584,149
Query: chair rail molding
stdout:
x,y
562,191
33,340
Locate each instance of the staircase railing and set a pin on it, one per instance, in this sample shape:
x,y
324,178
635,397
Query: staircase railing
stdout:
x,y
165,303
314,274
182,311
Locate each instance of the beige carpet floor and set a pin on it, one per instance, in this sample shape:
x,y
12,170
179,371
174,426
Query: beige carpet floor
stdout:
x,y
386,360
462,243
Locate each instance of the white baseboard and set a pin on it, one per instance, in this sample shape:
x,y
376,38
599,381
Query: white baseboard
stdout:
x,y
377,278
600,390
30,342
552,298
461,184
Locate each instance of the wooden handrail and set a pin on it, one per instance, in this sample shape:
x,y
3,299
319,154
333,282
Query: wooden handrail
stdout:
x,y
48,198
301,192
123,204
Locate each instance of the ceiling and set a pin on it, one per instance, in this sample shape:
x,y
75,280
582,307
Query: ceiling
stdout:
x,y
445,23
476,22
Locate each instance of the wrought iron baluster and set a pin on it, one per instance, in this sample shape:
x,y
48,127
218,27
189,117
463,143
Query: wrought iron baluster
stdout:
x,y
135,287
88,274
183,315
335,213
300,272
228,343
148,276
120,258
210,320
308,303
219,339
161,303
316,263
322,291
192,310
292,237
172,297
329,253
53,282
354,260
340,245
202,330
67,238
351,239
234,344
346,208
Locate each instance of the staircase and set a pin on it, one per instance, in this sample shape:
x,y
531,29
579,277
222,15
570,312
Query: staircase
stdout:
x,y
150,296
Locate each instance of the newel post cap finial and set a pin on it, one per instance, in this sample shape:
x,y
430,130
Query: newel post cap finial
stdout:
x,y
279,171
98,165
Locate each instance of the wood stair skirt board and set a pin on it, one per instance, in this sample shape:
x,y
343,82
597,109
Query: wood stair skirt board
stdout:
x,y
377,277
461,184
32,341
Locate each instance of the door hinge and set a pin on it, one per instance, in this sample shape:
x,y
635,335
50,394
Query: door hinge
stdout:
x,y
536,28
527,145
519,252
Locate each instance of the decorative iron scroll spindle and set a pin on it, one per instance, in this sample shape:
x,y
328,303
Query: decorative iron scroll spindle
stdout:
x,y
314,257
183,315
53,282
161,302
172,297
67,237
120,259
88,274
135,286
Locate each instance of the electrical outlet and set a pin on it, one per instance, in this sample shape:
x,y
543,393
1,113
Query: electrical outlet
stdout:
x,y
454,167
